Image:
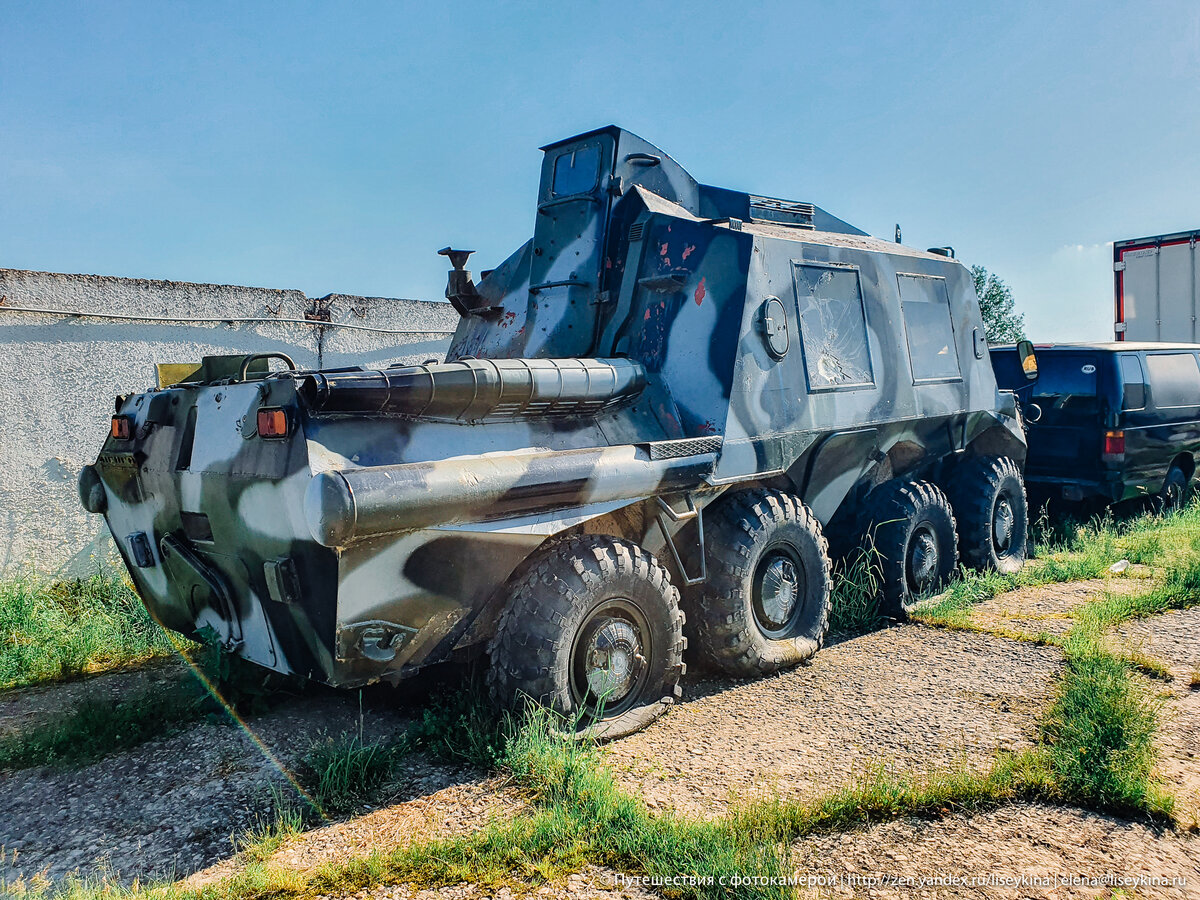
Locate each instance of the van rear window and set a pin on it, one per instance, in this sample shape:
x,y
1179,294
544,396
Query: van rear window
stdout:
x,y
1066,389
1174,379
1059,375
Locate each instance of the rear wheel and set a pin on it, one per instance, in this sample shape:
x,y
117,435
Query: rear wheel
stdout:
x,y
990,507
912,528
1174,491
765,605
593,630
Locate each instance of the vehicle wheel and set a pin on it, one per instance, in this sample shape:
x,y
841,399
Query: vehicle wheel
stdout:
x,y
765,605
1174,491
913,531
988,498
593,630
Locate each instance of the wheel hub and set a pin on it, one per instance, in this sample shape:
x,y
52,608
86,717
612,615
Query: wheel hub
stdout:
x,y
1003,521
923,560
614,659
780,590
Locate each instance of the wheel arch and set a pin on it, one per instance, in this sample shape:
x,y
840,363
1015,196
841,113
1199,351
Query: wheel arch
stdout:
x,y
1186,462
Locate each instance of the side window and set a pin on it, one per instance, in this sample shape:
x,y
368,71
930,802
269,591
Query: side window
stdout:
x,y
1134,395
833,327
928,328
576,171
1174,379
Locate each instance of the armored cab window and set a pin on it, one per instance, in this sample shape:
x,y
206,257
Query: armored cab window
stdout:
x,y
928,328
1174,379
833,328
576,171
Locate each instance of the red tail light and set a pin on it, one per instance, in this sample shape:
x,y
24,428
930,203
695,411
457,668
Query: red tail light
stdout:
x,y
1114,444
272,423
122,428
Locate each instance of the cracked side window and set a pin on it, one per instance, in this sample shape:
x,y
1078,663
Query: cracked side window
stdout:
x,y
833,328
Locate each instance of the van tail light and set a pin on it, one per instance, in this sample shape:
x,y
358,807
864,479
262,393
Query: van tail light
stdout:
x,y
272,423
1114,446
122,428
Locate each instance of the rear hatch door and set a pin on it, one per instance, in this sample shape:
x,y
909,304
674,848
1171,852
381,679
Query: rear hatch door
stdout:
x,y
1066,440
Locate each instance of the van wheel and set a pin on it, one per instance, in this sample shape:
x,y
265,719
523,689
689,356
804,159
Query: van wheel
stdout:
x,y
1174,491
913,531
593,630
988,497
765,605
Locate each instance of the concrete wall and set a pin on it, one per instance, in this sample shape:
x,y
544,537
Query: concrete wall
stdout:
x,y
59,374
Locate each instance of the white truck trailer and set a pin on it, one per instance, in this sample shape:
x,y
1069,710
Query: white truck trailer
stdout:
x,y
1156,288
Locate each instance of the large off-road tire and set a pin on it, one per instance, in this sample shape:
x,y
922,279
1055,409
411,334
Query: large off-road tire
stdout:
x,y
913,531
1174,494
987,494
765,605
592,629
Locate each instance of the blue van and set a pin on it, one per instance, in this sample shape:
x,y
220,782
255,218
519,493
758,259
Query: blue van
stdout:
x,y
1108,421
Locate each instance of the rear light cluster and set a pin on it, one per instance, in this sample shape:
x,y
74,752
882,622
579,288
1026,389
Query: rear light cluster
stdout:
x,y
272,423
1114,446
122,428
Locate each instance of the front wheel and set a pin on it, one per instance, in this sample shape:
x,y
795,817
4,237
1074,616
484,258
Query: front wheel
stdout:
x,y
988,496
913,531
593,630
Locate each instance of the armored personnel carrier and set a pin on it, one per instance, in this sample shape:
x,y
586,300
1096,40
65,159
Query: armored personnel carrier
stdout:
x,y
669,388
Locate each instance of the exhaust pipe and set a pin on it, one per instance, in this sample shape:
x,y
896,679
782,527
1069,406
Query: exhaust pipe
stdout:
x,y
473,389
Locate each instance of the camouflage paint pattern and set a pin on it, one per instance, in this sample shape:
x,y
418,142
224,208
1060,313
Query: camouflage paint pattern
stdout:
x,y
656,342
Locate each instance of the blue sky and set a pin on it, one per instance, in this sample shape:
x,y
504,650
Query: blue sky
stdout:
x,y
337,147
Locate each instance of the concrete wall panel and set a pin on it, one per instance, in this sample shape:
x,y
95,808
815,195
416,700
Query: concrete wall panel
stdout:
x,y
60,372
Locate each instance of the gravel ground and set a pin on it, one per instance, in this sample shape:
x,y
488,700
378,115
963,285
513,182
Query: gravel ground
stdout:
x,y
909,697
169,807
1174,638
1025,839
455,810
26,707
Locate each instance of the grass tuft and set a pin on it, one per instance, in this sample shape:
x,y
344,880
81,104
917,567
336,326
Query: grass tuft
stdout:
x,y
344,773
856,586
461,726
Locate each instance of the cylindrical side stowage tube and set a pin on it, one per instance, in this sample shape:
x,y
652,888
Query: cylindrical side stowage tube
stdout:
x,y
342,506
472,389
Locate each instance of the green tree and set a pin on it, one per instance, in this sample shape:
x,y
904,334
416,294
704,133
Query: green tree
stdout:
x,y
1000,317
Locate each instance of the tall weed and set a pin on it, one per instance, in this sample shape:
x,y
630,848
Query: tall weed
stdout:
x,y
52,630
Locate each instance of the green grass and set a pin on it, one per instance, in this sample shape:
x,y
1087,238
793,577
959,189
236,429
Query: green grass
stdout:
x,y
54,630
462,726
98,727
1083,552
290,819
1100,732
